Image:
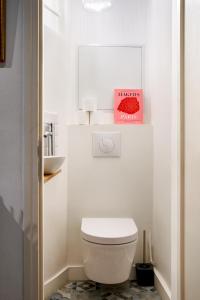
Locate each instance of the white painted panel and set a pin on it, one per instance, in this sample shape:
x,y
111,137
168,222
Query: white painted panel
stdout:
x,y
105,68
109,187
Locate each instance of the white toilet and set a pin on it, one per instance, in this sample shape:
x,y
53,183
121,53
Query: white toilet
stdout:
x,y
109,246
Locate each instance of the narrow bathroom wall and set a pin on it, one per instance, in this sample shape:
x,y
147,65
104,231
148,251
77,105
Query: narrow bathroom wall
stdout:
x,y
55,100
159,91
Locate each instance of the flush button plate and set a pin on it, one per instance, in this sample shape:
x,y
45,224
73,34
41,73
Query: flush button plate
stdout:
x,y
106,144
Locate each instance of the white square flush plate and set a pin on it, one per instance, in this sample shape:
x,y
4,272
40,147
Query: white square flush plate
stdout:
x,y
106,144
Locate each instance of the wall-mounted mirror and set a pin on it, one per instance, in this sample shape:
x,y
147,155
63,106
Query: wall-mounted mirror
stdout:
x,y
101,69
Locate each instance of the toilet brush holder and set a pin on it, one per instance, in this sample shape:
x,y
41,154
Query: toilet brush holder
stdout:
x,y
144,271
145,274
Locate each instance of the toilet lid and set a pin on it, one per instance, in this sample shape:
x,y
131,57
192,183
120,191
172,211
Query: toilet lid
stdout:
x,y
109,231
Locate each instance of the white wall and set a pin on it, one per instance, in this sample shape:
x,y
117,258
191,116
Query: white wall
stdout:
x,y
55,101
159,93
108,187
56,75
11,160
55,225
120,25
192,144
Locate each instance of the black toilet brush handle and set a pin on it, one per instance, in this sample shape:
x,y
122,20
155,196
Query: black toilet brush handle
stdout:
x,y
144,246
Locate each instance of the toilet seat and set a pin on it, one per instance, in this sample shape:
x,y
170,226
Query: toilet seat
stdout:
x,y
109,231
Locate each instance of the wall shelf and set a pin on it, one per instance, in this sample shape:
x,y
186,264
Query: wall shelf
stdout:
x,y
48,177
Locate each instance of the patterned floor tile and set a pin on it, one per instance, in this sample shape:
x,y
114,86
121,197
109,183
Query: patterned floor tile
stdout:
x,y
89,290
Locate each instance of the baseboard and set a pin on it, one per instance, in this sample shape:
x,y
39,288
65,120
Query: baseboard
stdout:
x,y
55,282
68,273
162,286
76,273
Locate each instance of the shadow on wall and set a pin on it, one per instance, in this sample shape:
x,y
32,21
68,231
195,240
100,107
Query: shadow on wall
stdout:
x,y
14,241
12,8
11,254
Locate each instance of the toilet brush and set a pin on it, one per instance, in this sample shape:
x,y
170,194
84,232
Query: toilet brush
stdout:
x,y
144,270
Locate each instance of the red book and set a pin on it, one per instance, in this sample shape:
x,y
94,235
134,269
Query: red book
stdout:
x,y
128,106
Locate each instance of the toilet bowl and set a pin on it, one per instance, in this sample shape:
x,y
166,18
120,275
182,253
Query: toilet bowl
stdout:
x,y
108,248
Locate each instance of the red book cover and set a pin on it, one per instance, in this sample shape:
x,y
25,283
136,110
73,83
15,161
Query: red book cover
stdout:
x,y
128,106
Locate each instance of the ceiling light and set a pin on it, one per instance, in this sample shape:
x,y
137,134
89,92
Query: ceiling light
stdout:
x,y
97,5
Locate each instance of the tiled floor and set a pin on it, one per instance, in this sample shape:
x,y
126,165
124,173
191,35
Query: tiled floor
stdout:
x,y
88,290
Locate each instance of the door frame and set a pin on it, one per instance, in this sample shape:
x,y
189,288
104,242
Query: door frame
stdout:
x,y
32,149
177,158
